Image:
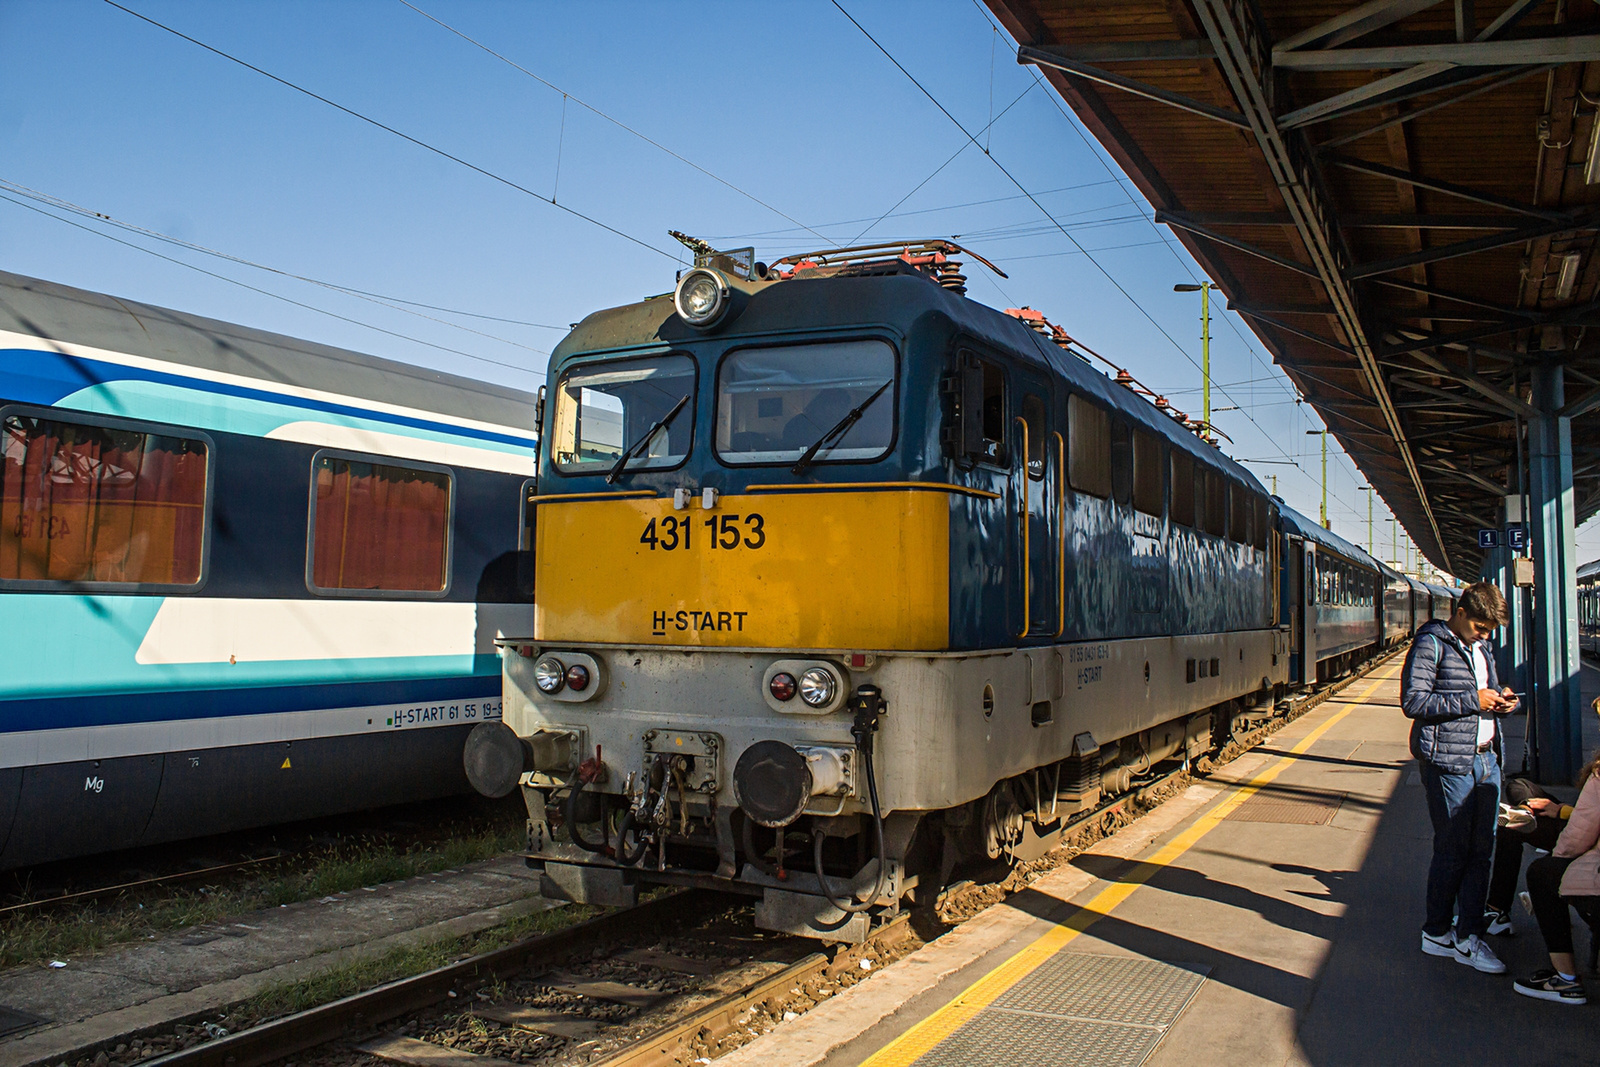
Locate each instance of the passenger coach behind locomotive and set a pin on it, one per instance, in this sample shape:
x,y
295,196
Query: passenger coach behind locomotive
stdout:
x,y
846,581
247,578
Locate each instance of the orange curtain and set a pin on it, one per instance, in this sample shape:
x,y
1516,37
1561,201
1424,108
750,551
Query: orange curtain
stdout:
x,y
82,503
379,527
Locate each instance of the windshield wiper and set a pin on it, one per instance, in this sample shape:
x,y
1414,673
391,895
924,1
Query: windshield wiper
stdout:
x,y
644,439
839,429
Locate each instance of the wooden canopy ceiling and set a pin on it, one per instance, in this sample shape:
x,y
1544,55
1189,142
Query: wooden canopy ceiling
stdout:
x,y
1397,196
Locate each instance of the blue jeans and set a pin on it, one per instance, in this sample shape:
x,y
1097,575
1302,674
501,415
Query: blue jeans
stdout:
x,y
1463,808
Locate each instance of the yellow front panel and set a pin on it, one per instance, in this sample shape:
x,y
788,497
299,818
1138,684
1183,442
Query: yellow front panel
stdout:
x,y
792,570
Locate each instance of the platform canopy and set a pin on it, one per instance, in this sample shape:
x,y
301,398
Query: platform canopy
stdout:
x,y
1400,196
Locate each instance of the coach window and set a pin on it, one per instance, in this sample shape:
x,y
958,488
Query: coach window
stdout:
x,y
1149,471
1216,504
602,408
378,527
1239,514
1182,488
1121,461
1089,447
1263,522
1033,415
88,503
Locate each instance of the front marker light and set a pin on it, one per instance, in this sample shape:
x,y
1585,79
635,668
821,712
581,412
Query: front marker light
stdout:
x,y
818,687
549,674
702,297
577,677
783,686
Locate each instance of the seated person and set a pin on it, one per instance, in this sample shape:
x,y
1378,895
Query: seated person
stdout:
x,y
1572,870
1549,819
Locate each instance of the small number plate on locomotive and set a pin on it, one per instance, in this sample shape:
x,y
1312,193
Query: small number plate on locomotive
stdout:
x,y
700,749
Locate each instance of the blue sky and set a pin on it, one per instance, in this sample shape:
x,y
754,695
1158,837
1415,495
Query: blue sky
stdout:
x,y
780,125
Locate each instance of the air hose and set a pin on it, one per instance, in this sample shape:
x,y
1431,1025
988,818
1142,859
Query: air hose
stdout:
x,y
590,770
868,703
656,782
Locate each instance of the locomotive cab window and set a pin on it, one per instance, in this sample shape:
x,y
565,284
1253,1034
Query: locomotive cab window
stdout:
x,y
1033,416
1089,447
604,408
82,503
1149,470
774,404
378,528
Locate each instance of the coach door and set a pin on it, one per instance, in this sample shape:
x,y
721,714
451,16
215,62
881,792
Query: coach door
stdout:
x,y
1037,473
1312,602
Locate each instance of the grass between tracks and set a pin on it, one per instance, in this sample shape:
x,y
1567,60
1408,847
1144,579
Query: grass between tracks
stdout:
x,y
335,864
402,962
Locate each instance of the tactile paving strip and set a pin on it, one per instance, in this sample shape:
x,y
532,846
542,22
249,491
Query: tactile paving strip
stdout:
x,y
1315,809
1074,1010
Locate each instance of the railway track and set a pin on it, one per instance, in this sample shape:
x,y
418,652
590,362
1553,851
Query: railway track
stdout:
x,y
679,978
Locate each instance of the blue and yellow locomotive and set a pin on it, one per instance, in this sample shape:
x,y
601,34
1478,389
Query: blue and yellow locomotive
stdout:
x,y
846,582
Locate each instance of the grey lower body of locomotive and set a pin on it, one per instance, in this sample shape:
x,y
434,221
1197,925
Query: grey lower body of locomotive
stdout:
x,y
1065,726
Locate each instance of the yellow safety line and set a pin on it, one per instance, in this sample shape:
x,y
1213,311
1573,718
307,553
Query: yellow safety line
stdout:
x,y
910,1045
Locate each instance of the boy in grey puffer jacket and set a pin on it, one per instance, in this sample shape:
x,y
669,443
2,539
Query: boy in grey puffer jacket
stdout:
x,y
1451,693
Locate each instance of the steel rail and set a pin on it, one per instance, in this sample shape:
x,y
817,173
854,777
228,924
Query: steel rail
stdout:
x,y
320,1025
712,1022
163,879
327,1022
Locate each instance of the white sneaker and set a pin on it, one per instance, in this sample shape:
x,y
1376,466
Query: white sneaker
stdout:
x,y
1476,953
1499,922
1444,945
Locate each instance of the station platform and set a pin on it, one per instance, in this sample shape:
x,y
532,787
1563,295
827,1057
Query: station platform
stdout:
x,y
1268,915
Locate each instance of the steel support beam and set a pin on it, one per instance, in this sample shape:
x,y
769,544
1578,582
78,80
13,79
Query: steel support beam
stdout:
x,y
1047,57
1357,22
1448,188
1246,62
1417,112
1556,667
1456,249
1519,53
1185,222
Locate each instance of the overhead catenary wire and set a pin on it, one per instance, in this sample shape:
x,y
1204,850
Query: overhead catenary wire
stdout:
x,y
922,211
1034,200
566,96
376,298
502,179
1168,241
267,292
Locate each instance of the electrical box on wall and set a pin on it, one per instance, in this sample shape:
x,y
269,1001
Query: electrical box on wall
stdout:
x,y
1522,571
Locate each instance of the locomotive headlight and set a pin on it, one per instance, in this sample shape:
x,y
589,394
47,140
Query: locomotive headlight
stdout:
x,y
818,686
702,297
550,674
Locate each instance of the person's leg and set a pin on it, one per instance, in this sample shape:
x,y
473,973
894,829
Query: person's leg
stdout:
x,y
1507,865
1446,795
1550,911
1479,811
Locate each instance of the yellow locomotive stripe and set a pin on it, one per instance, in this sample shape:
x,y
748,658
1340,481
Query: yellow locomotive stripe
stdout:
x,y
934,487
793,571
912,1044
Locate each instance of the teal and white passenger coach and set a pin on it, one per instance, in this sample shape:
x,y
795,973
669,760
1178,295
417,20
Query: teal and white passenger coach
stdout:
x,y
243,578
